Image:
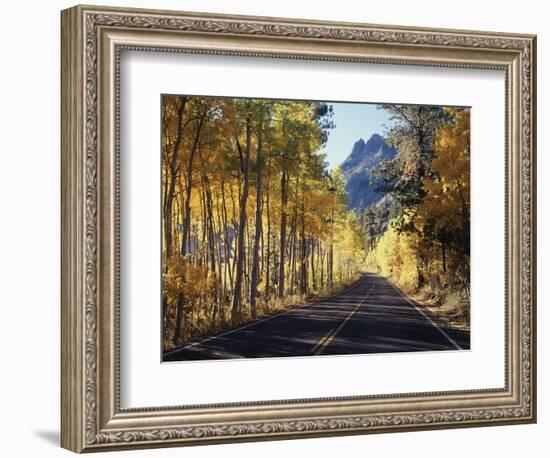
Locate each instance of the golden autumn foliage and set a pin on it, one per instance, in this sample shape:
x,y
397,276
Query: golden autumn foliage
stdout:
x,y
428,248
252,223
448,192
395,257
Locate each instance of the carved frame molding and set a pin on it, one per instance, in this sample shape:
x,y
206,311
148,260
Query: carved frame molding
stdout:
x,y
92,39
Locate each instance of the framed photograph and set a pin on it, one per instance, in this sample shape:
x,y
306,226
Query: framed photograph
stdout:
x,y
278,228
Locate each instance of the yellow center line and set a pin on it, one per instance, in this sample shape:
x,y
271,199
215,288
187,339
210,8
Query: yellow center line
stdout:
x,y
326,341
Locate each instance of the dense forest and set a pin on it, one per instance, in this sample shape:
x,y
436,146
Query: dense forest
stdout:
x,y
418,235
252,221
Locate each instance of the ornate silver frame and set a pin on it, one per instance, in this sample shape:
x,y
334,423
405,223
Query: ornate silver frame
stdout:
x,y
92,39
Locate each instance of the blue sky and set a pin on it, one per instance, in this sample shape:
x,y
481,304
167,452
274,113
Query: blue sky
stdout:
x,y
353,121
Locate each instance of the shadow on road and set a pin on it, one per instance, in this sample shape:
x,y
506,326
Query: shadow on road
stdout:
x,y
371,317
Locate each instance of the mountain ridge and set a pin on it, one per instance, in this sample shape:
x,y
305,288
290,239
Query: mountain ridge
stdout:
x,y
357,170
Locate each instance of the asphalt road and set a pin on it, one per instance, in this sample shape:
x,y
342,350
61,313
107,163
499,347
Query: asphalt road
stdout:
x,y
370,317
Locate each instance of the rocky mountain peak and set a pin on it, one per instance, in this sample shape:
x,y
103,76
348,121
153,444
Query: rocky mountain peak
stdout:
x,y
364,156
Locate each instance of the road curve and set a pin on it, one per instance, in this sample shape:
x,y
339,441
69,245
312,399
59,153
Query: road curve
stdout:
x,y
372,316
